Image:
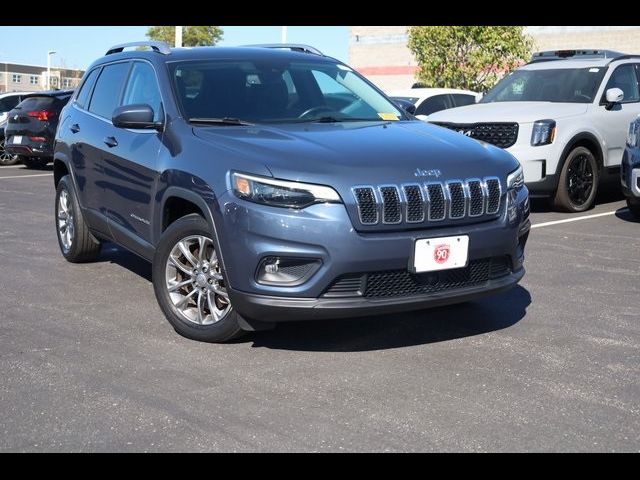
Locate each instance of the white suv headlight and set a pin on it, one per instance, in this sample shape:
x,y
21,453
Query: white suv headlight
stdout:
x,y
632,136
281,193
544,132
515,180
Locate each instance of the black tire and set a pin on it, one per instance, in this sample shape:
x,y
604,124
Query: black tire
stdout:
x,y
84,247
226,328
35,163
578,182
634,207
6,158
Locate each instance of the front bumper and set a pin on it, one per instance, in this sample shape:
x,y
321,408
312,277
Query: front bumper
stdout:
x,y
250,232
630,173
539,165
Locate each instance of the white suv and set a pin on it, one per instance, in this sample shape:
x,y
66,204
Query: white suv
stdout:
x,y
564,116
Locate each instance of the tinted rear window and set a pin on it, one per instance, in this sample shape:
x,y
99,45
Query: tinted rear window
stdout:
x,y
37,103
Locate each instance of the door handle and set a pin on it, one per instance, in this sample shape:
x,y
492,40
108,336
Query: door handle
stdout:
x,y
110,142
75,128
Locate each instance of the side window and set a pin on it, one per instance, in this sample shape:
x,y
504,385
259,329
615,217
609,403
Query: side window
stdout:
x,y
462,100
85,91
106,95
142,87
624,77
432,105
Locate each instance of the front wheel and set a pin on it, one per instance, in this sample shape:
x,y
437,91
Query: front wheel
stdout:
x,y
7,158
190,284
578,183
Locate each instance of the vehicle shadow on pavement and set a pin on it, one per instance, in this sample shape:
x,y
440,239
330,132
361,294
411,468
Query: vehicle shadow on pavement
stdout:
x,y
626,215
113,253
607,193
400,330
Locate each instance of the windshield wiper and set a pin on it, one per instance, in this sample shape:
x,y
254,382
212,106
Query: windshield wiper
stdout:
x,y
330,119
220,121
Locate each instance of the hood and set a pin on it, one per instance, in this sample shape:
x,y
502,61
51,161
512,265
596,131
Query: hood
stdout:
x,y
518,112
354,153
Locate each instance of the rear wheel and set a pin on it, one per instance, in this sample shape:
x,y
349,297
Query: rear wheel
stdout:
x,y
578,183
34,162
7,158
77,244
190,285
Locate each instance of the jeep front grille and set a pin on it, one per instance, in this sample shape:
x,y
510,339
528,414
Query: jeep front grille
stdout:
x,y
430,202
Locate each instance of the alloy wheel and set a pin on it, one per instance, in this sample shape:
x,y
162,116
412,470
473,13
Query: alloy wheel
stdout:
x,y
66,224
194,280
580,180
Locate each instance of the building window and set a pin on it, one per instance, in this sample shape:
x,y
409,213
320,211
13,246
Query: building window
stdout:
x,y
66,82
33,80
16,78
54,81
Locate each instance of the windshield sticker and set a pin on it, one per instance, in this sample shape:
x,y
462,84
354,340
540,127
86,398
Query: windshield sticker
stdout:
x,y
594,70
388,116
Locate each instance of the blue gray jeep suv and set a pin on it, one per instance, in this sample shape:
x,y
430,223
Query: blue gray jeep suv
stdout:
x,y
273,183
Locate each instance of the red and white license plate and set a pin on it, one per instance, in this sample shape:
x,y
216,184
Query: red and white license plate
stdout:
x,y
444,253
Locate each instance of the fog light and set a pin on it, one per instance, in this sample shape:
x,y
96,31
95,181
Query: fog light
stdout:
x,y
286,271
272,267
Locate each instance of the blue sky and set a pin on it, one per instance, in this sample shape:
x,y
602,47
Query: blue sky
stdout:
x,y
78,46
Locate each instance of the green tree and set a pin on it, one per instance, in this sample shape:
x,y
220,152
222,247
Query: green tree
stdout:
x,y
467,57
191,36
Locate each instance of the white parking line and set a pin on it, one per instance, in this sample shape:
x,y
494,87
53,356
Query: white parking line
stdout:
x,y
28,176
576,219
11,166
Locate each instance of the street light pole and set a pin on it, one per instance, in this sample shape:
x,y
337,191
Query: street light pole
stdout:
x,y
178,42
284,35
49,53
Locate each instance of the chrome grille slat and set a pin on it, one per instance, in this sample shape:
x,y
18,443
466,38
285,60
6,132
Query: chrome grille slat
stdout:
x,y
428,202
457,198
391,208
437,202
414,203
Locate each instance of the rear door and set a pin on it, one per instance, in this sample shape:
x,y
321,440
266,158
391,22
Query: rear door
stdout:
x,y
94,128
130,165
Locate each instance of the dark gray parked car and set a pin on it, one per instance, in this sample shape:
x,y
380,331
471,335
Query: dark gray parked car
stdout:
x,y
272,184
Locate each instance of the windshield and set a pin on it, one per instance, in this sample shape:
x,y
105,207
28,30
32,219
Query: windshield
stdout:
x,y
563,85
277,92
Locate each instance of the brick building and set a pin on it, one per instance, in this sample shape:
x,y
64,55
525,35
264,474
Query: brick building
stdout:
x,y
381,53
18,77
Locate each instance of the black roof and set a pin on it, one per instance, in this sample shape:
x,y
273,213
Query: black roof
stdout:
x,y
49,93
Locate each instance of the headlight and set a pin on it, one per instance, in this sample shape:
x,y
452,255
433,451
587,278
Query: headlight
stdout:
x,y
515,180
632,137
281,193
544,132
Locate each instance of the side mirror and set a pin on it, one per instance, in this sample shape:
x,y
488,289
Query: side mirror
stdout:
x,y
406,105
613,96
139,115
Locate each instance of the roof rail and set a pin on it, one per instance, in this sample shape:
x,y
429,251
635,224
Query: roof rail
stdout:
x,y
624,57
159,47
298,47
550,55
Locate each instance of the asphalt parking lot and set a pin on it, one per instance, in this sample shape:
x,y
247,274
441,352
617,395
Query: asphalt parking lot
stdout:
x,y
90,364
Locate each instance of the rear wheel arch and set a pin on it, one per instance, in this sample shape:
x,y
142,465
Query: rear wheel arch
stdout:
x,y
60,169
